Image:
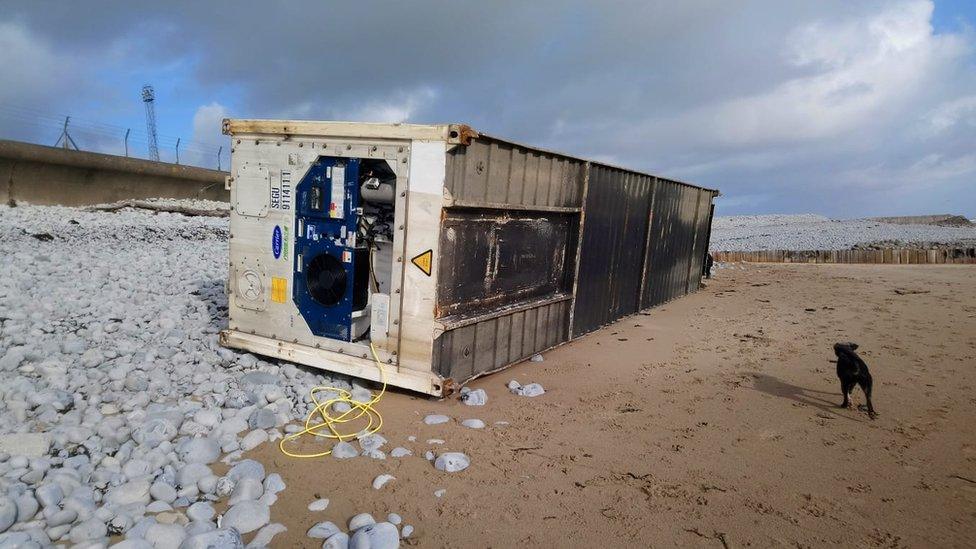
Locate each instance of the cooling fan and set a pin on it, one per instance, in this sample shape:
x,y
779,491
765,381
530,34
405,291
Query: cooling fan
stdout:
x,y
326,279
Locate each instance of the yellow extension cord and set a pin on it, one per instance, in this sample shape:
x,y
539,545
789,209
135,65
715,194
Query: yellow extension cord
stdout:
x,y
322,409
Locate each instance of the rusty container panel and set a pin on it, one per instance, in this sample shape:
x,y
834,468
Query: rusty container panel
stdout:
x,y
500,340
509,238
612,253
502,258
494,173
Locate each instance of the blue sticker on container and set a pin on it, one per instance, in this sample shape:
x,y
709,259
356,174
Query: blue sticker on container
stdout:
x,y
276,242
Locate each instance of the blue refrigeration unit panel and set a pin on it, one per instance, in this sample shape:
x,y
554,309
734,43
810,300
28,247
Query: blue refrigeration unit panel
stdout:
x,y
331,272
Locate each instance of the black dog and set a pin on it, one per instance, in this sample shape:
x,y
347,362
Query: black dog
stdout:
x,y
707,265
853,371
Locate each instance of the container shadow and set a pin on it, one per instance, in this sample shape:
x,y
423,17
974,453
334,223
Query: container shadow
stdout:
x,y
772,385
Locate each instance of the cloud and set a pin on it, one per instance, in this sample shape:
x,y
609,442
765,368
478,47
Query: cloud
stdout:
x,y
207,124
820,106
951,114
208,137
924,173
396,107
36,68
33,73
400,108
849,115
857,73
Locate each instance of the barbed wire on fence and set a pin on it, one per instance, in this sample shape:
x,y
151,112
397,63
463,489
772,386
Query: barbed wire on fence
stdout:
x,y
35,125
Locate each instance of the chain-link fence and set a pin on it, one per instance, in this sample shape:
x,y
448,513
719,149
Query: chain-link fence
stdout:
x,y
36,126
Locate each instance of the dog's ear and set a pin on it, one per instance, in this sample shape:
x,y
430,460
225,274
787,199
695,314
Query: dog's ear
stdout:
x,y
853,346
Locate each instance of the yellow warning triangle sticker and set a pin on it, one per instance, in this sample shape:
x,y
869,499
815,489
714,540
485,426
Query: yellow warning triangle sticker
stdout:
x,y
423,261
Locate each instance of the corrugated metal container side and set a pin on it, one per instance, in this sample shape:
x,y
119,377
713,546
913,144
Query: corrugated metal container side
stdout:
x,y
491,173
514,222
612,254
677,241
510,228
703,221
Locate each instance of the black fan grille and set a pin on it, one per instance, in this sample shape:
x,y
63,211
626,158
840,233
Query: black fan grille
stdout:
x,y
326,279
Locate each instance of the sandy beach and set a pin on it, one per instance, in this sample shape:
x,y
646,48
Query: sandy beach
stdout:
x,y
711,420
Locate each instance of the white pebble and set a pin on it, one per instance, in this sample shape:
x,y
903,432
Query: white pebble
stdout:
x,y
200,511
161,491
246,468
436,419
530,390
273,484
477,397
318,505
8,513
165,536
452,462
246,516
381,481
339,540
344,450
246,489
400,452
360,520
214,539
323,530
254,439
199,450
265,535
382,535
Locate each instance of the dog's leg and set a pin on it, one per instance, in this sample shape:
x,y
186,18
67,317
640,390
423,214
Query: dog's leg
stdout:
x,y
846,388
866,387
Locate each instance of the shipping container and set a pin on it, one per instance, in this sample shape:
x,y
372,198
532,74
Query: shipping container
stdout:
x,y
449,252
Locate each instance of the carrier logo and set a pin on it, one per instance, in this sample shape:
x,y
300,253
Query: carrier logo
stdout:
x,y
276,242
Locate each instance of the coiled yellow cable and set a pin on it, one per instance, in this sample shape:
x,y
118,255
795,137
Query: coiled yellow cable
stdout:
x,y
357,410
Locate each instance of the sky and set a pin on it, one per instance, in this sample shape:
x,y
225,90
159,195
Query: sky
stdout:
x,y
846,109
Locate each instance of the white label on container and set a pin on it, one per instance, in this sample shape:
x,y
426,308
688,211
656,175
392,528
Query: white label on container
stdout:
x,y
281,191
379,316
338,198
428,167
